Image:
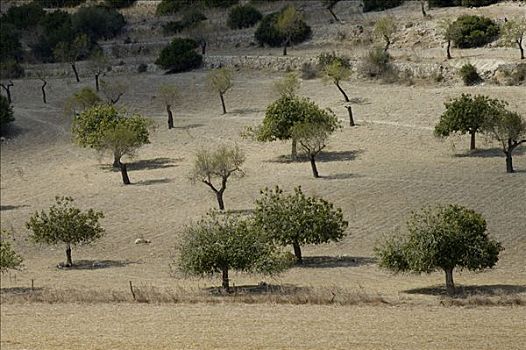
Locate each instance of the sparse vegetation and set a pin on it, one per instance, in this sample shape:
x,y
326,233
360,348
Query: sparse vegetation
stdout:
x,y
65,224
470,75
81,100
287,86
443,238
71,52
513,32
377,64
296,219
384,28
9,259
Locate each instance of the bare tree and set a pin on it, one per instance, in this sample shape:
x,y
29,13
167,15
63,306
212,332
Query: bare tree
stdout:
x,y
42,76
169,95
113,90
219,164
71,52
220,80
98,64
384,28
329,5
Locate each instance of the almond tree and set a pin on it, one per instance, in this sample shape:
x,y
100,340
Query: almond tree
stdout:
x,y
70,52
288,23
9,259
98,64
168,95
41,75
336,71
384,28
217,165
513,33
220,80
312,139
113,90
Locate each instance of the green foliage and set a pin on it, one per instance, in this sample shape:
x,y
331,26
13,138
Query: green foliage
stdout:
x,y
10,46
170,7
474,31
220,3
98,22
60,3
513,33
336,71
377,64
220,80
288,86
444,237
56,28
124,138
6,113
220,243
327,58
269,33
25,16
119,4
311,137
384,29
380,5
81,100
9,260
443,3
180,56
70,52
64,223
243,16
190,18
11,69
470,75
287,111
298,219
478,3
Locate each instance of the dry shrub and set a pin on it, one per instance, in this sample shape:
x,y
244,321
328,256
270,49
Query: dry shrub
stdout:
x,y
482,300
309,71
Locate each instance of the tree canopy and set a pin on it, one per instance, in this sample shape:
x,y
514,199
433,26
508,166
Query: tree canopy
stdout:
x,y
296,219
220,81
443,237
9,259
513,32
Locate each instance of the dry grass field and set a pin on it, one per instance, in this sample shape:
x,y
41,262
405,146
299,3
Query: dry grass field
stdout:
x,y
377,172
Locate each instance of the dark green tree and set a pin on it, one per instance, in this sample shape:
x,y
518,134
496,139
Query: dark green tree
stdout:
x,y
9,259
65,224
6,113
441,238
220,243
296,219
180,56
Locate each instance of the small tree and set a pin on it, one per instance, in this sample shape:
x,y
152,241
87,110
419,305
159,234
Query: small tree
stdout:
x,y
81,100
70,52
42,76
465,114
285,112
288,23
336,71
329,5
287,86
443,238
9,70
507,127
221,243
100,126
168,95
6,113
295,219
312,139
66,224
9,260
513,32
7,88
384,28
447,29
98,64
220,80
113,90
219,164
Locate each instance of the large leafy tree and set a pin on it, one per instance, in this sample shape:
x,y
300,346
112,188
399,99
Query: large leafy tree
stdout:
x,y
9,259
220,81
296,219
64,223
513,32
215,167
465,114
441,238
509,128
220,243
288,110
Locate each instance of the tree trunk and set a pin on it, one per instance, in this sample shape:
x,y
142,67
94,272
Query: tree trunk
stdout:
x,y
351,118
124,173
69,262
449,50
294,152
74,67
422,6
97,82
116,161
285,45
222,102
44,91
313,166
387,43
472,144
346,98
450,285
333,14
7,88
509,159
170,117
297,252
203,47
220,202
519,42
226,282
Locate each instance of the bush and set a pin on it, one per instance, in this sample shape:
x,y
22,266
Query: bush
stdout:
x,y
56,27
10,46
190,18
465,3
6,113
377,64
443,3
380,5
24,16
119,4
243,17
180,56
220,3
60,3
478,3
98,22
474,31
267,33
469,75
518,75
169,7
326,58
142,68
309,71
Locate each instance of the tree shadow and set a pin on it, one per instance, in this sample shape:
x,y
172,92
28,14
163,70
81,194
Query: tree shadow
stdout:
x,y
469,290
95,264
246,110
12,131
322,262
490,153
151,164
188,127
259,289
341,176
20,290
11,207
152,182
323,157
